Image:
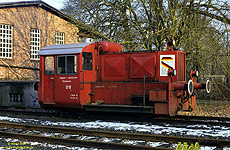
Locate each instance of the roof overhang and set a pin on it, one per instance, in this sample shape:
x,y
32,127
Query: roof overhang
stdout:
x,y
63,49
83,28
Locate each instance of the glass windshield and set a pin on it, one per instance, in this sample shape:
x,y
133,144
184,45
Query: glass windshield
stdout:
x,y
87,61
67,64
49,65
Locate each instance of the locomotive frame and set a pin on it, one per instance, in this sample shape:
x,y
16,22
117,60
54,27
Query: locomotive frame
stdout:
x,y
100,77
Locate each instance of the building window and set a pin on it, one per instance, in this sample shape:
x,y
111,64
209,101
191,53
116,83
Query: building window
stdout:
x,y
6,41
34,44
16,97
59,38
67,65
87,61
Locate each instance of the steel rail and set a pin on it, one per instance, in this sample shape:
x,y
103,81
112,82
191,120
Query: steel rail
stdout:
x,y
130,136
190,120
79,143
178,117
200,118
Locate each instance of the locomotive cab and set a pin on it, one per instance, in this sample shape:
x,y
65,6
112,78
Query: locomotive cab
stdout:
x,y
60,75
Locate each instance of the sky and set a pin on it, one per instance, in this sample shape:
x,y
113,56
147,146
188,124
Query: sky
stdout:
x,y
58,4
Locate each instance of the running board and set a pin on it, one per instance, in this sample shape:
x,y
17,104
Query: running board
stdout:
x,y
119,108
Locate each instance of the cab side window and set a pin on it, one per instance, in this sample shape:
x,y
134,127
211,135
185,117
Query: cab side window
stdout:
x,y
67,65
49,65
87,61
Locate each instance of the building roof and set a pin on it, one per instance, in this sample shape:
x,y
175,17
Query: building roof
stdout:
x,y
83,28
75,48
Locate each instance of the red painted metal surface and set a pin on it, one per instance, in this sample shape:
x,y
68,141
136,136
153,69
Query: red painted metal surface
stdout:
x,y
53,87
88,76
179,86
199,86
142,64
110,47
170,60
158,95
85,97
115,78
67,90
121,92
113,67
172,99
161,108
181,70
46,86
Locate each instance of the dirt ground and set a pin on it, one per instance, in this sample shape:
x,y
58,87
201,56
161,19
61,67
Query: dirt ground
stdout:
x,y
210,108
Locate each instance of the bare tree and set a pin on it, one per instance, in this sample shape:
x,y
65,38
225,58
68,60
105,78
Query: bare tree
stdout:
x,y
145,22
200,28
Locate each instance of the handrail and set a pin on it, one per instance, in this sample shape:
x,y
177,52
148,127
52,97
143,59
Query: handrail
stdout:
x,y
83,80
144,89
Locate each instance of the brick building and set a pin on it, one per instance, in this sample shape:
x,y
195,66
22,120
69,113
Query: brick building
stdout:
x,y
27,27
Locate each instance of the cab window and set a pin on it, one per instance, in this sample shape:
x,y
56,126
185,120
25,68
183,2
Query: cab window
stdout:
x,y
87,61
49,65
67,65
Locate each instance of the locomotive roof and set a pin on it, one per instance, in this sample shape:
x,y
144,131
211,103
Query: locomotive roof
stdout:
x,y
63,49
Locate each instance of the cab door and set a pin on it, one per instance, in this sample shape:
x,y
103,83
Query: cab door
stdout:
x,y
67,81
48,94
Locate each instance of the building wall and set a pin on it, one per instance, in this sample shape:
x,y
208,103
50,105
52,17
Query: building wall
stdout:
x,y
23,19
18,94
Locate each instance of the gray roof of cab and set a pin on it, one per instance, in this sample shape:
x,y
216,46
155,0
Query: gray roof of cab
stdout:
x,y
63,49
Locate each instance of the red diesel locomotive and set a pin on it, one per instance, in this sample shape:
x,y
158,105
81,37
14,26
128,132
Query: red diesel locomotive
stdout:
x,y
100,77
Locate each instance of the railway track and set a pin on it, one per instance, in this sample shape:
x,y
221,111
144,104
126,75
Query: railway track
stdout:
x,y
201,118
69,141
7,129
190,120
193,120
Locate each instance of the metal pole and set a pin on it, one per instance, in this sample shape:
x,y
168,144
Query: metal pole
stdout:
x,y
144,89
144,93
